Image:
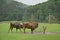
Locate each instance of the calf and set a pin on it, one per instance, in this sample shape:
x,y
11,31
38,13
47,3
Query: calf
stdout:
x,y
15,25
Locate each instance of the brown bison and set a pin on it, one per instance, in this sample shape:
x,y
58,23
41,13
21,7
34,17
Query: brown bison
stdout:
x,y
30,25
15,25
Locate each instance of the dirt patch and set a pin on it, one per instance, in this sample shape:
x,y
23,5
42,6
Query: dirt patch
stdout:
x,y
30,32
42,33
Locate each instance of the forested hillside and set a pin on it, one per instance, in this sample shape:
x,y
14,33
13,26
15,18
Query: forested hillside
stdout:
x,y
11,10
42,12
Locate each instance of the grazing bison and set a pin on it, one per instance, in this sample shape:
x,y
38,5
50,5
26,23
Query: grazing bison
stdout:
x,y
15,25
30,25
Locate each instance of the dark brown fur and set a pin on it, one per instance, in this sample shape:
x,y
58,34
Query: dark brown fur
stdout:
x,y
30,25
15,25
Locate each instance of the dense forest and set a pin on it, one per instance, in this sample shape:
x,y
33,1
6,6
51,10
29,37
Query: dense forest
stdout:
x,y
11,10
43,12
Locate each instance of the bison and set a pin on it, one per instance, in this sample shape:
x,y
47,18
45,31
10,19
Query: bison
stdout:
x,y
15,25
30,25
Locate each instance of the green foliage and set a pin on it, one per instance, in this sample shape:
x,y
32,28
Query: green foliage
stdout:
x,y
11,10
42,10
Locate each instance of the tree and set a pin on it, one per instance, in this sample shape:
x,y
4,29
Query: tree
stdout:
x,y
51,19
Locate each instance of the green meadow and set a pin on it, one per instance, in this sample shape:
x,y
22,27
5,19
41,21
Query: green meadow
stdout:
x,y
54,29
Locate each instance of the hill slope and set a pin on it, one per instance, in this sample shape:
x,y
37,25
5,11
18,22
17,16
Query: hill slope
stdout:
x,y
12,11
42,10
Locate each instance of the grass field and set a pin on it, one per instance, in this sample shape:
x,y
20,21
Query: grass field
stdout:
x,y
4,35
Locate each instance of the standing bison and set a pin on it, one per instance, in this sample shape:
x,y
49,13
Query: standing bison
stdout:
x,y
15,25
30,25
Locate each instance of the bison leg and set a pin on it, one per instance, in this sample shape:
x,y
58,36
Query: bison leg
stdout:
x,y
16,29
11,29
31,30
20,30
24,30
